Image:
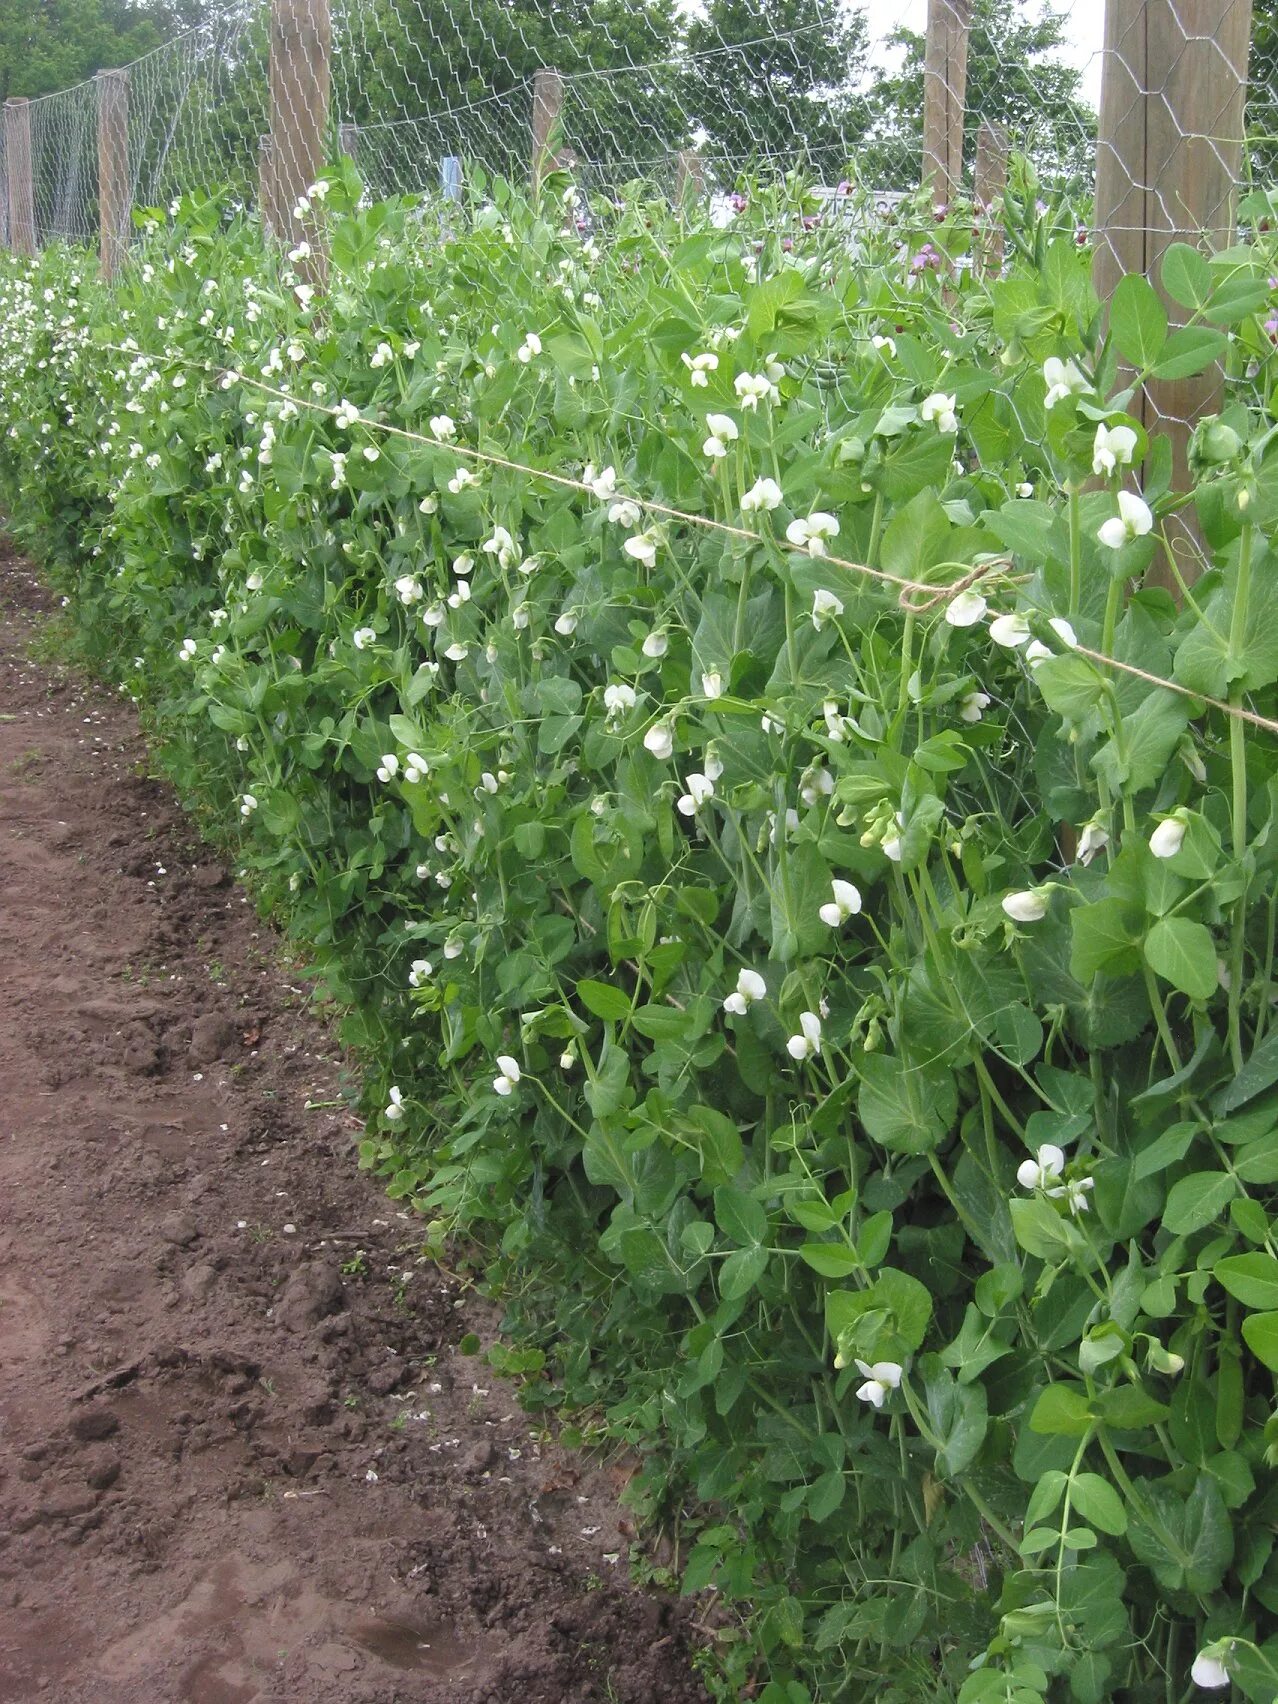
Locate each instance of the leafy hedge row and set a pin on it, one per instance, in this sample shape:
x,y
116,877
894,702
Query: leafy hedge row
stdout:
x,y
847,1017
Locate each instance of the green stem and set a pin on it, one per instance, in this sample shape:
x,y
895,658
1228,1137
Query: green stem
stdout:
x,y
1238,768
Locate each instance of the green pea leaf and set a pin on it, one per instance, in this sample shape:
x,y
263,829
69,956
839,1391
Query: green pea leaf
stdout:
x,y
1183,953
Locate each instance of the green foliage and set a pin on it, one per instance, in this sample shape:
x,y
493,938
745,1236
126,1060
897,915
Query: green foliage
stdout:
x,y
846,1024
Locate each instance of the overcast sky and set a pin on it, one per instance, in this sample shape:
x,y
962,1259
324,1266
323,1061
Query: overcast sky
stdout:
x,y
1084,29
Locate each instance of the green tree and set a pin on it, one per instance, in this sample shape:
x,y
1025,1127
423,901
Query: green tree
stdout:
x,y
1014,77
46,45
429,79
775,81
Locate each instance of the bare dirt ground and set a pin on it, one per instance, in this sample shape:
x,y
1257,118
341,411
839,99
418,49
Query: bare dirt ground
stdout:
x,y
241,1458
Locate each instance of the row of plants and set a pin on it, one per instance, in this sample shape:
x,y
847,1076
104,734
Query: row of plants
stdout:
x,y
725,712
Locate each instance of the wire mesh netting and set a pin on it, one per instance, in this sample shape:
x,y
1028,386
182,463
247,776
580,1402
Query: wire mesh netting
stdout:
x,y
428,95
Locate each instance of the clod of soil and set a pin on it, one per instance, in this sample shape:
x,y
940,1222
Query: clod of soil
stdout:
x,y
241,1458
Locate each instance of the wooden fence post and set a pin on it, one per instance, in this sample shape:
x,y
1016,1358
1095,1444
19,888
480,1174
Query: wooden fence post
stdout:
x,y
949,23
547,112
690,176
301,53
17,150
115,190
1169,155
989,182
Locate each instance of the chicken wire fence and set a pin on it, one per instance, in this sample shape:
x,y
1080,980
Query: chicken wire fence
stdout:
x,y
428,93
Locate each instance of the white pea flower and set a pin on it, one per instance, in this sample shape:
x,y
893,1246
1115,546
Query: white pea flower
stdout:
x,y
187,649
421,973
1093,839
217,617
454,947
643,547
754,388
886,345
714,448
457,652
624,513
566,624
825,606
1028,906
846,903
973,705
528,348
422,872
815,784
408,589
1036,652
619,698
807,1044
1063,380
966,609
656,644
763,494
416,768
305,294
891,845
393,1111
1010,631
812,532
1208,1669
1133,520
346,416
1075,1194
254,583
462,480
750,987
880,1378
388,768
1168,838
1044,1170
700,789
443,428
713,766
700,367
940,409
712,684
429,505
370,453
382,356
510,1074
1024,488
248,804
1064,631
1114,447
659,740
604,484
503,546
773,368
723,426
434,616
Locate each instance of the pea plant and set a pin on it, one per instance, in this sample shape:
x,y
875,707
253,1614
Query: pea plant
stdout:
x,y
726,708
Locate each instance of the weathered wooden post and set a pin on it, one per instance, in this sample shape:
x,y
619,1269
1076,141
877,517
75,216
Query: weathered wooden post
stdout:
x,y
989,182
17,150
547,113
1169,155
949,24
301,53
115,190
690,176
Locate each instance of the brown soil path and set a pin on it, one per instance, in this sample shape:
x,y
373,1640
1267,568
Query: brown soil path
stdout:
x,y
240,1456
